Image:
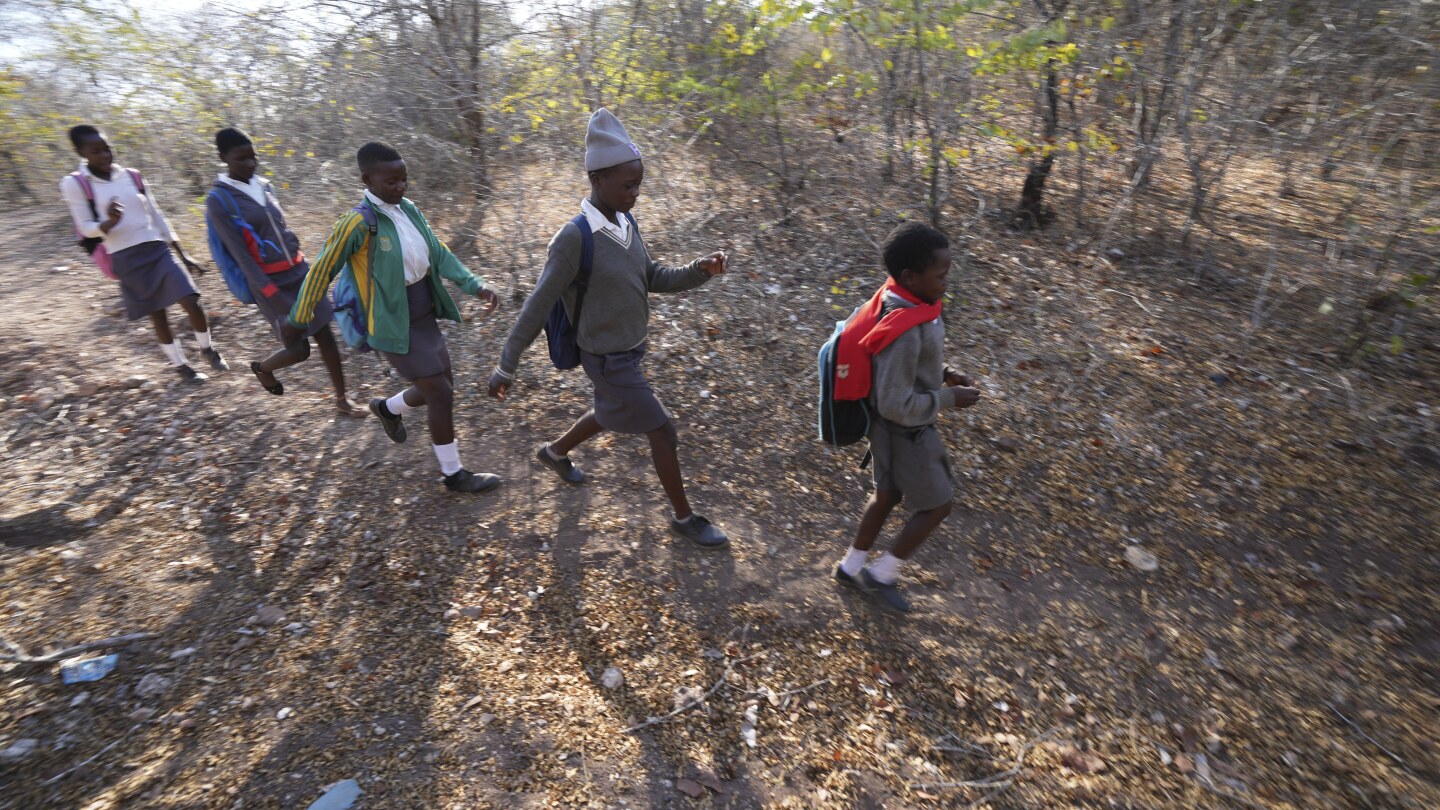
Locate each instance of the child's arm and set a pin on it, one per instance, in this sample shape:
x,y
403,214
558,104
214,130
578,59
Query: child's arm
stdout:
x,y
561,267
85,223
953,377
219,218
345,240
448,265
660,278
893,383
167,233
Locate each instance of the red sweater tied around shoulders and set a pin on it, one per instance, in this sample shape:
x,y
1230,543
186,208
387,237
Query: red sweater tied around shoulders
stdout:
x,y
866,334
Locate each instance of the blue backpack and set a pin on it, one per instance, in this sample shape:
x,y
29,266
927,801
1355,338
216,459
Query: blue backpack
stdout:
x,y
229,268
349,314
560,332
842,421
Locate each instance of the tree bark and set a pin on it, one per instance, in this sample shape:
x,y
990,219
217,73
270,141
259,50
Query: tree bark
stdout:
x,y
1031,213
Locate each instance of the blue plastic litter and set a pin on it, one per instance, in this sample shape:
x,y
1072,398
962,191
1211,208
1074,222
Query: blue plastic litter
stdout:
x,y
90,669
339,797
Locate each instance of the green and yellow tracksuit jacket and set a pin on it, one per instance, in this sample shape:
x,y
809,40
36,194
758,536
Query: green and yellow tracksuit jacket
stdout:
x,y
382,287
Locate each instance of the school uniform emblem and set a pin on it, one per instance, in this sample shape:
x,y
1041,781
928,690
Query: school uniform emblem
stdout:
x,y
842,371
385,243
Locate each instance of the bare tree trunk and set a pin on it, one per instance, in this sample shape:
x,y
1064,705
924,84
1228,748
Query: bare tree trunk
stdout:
x,y
1150,119
1031,214
928,119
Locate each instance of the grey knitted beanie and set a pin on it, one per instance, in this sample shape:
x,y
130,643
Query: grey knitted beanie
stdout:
x,y
607,143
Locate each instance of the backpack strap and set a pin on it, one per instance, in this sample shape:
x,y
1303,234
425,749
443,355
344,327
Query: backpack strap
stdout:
x,y
227,201
587,262
372,223
137,179
89,191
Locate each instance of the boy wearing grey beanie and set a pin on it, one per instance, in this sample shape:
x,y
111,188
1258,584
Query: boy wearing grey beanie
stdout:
x,y
612,325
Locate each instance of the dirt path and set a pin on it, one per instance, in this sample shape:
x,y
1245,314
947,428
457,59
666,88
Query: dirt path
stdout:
x,y
448,651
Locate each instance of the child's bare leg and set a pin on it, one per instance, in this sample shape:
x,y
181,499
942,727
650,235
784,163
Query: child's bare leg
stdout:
x,y
917,528
161,323
585,427
198,322
877,509
330,353
664,451
436,393
296,352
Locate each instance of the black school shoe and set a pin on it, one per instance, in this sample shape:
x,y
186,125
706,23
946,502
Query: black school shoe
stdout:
x,y
887,594
394,425
216,361
466,481
564,468
700,531
189,374
278,389
844,578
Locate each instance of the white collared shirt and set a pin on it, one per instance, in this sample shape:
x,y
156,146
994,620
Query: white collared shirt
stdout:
x,y
141,221
414,250
255,189
599,224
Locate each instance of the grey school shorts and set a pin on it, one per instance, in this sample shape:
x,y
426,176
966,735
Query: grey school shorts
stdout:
x,y
624,400
428,355
912,460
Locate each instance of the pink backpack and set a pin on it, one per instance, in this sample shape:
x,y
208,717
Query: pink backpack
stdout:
x,y
94,245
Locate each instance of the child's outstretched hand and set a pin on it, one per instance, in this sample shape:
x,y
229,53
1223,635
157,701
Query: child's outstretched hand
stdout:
x,y
964,396
114,212
192,265
499,386
956,378
489,297
715,264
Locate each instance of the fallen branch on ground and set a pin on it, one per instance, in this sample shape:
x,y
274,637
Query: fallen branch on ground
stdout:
x,y
17,655
991,795
1209,784
697,701
788,692
1362,733
77,766
1132,298
1002,779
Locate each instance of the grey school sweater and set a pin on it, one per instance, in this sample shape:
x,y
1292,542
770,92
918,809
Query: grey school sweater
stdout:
x,y
907,378
616,315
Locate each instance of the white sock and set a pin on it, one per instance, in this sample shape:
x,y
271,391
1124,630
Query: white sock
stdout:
x,y
684,520
854,561
397,405
886,569
174,352
203,339
449,457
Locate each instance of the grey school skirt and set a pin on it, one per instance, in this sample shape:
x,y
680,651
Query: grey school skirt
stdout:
x,y
276,308
624,401
150,278
428,355
912,460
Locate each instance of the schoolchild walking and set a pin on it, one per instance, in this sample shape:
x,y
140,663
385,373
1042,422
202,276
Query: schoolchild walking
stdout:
x,y
118,220
900,335
397,263
244,214
609,310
